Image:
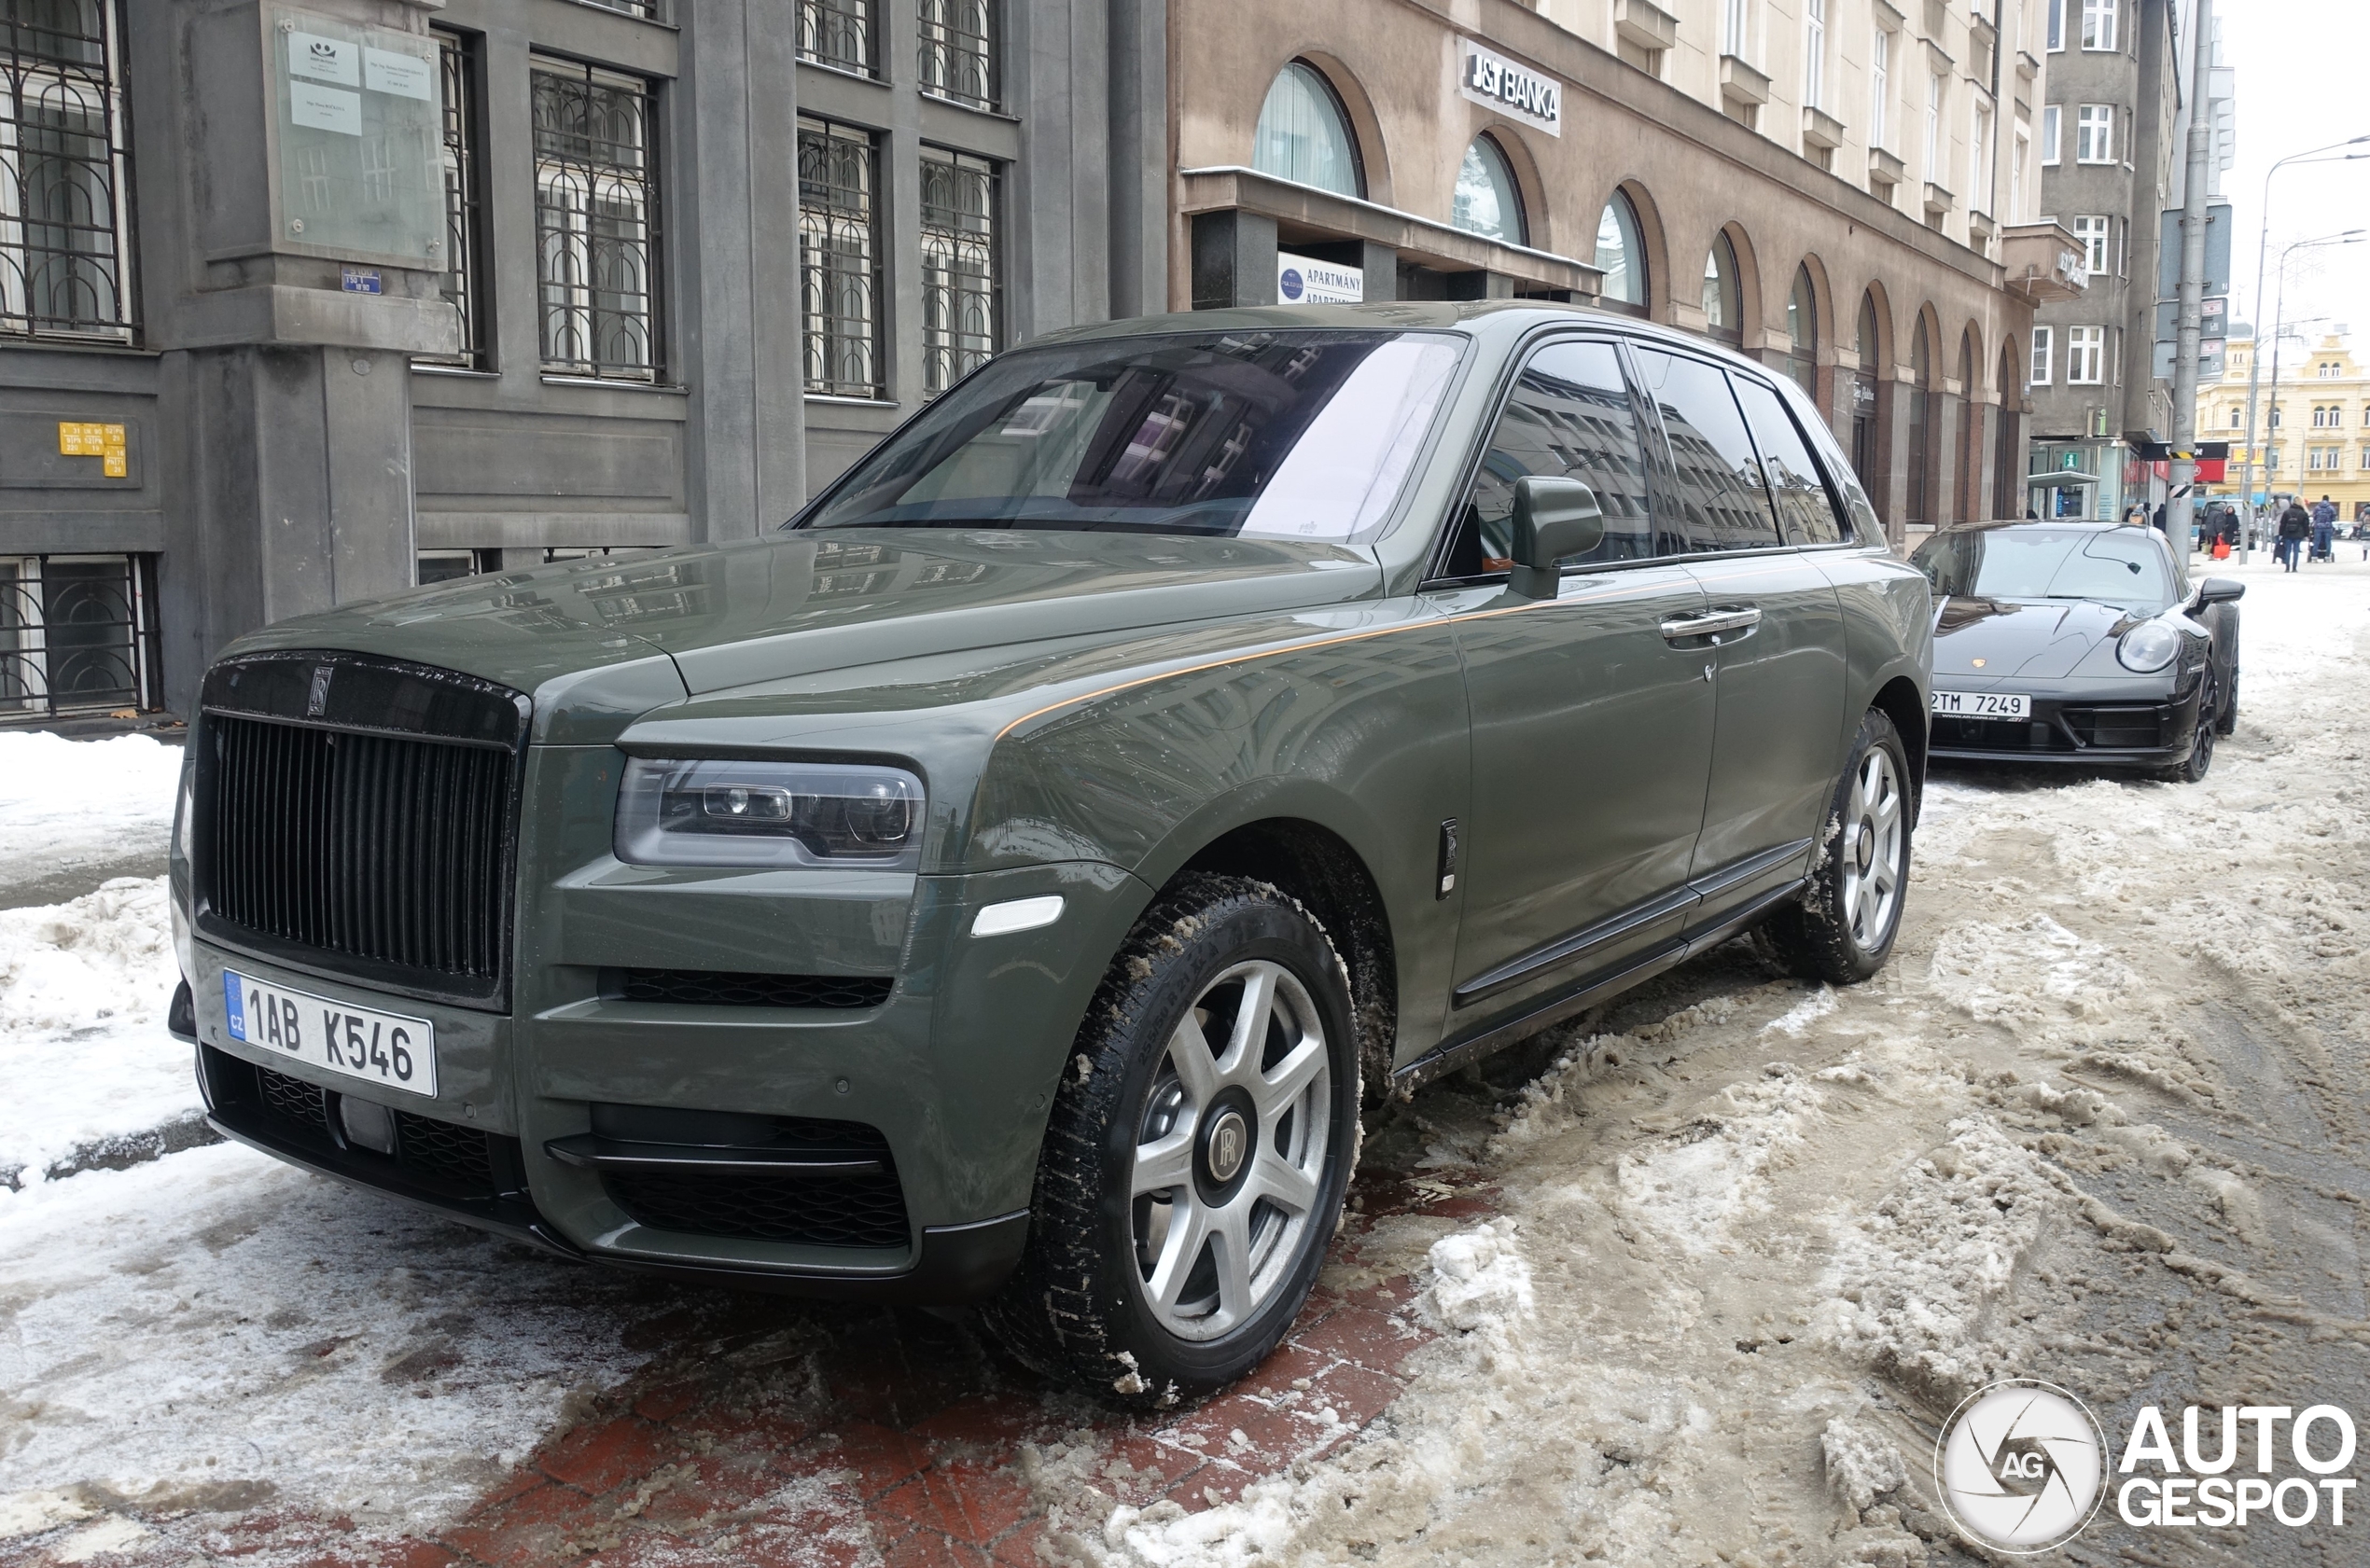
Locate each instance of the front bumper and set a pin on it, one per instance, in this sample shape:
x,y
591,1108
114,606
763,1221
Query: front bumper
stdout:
x,y
679,1138
2111,729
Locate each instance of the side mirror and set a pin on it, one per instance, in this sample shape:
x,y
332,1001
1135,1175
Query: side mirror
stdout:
x,y
1555,519
2220,590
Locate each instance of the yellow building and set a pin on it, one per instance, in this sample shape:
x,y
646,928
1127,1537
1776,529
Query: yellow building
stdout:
x,y
2317,440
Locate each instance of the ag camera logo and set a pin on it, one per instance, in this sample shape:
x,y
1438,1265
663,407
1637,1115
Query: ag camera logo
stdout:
x,y
2021,1466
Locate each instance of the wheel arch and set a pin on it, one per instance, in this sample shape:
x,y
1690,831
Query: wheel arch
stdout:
x,y
1326,873
1900,700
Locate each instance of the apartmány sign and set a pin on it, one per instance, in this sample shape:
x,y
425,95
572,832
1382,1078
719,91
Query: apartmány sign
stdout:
x,y
1513,91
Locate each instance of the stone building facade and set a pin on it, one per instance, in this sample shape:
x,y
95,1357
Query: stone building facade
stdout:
x,y
370,291
1839,187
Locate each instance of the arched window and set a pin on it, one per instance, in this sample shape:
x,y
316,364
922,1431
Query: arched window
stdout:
x,y
1487,201
1724,302
1863,401
1303,133
2007,448
1802,328
1621,251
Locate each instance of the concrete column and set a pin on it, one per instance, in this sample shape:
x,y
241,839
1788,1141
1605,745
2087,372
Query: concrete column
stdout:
x,y
1944,438
1479,286
737,216
1234,259
1892,445
1983,463
284,399
1378,263
1062,207
1139,154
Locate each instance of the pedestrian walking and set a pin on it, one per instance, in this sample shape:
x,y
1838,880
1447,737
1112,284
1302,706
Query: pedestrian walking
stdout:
x,y
2295,526
2324,531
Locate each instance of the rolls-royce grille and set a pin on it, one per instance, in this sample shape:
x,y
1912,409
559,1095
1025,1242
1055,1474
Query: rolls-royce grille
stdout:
x,y
379,847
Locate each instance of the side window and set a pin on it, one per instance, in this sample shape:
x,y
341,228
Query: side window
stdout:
x,y
1722,493
1570,416
1804,510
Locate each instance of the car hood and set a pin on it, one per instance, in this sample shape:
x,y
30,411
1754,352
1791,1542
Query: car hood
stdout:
x,y
2001,639
619,635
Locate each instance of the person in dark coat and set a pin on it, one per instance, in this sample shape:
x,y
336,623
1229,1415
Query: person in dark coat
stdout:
x,y
2324,531
2295,526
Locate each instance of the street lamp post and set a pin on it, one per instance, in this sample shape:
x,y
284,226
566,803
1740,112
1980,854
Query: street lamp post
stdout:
x,y
2255,363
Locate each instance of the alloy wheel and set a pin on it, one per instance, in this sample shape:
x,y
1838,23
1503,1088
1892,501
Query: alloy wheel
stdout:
x,y
1871,849
1229,1153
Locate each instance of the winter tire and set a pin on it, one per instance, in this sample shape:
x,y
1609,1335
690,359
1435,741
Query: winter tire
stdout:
x,y
2226,720
1198,1152
1842,929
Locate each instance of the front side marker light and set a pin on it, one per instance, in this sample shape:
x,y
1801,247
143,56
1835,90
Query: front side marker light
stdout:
x,y
1016,914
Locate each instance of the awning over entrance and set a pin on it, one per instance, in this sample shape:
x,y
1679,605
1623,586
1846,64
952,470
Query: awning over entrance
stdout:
x,y
1241,217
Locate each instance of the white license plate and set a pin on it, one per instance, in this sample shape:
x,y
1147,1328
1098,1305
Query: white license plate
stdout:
x,y
1981,704
384,1049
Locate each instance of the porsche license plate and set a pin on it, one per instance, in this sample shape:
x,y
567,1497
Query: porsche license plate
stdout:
x,y
384,1048
1981,704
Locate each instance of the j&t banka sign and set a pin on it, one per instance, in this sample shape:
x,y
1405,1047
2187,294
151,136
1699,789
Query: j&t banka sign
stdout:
x,y
1513,91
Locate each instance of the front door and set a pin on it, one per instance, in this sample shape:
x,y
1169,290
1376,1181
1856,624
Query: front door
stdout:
x,y
1592,728
1753,502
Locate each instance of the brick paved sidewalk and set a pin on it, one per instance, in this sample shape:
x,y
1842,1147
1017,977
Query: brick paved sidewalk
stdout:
x,y
778,1433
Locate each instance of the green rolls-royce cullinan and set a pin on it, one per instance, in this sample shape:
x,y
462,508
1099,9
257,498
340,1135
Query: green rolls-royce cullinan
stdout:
x,y
1006,884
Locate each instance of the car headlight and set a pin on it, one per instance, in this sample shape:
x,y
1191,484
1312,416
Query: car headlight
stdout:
x,y
2148,648
848,816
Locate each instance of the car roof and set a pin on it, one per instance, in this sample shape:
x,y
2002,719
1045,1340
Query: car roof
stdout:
x,y
2056,525
1488,319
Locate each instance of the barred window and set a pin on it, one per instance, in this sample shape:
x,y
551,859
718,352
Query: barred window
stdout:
x,y
462,288
838,33
631,8
840,257
960,300
65,213
958,50
596,222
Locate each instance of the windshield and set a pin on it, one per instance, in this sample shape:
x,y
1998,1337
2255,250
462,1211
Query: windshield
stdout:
x,y
1281,434
2121,567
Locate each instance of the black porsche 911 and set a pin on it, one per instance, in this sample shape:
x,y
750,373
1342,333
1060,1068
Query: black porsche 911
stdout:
x,y
2079,642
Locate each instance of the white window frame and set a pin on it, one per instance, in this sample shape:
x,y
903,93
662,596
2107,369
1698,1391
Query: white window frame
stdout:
x,y
2098,18
2085,356
1880,89
2054,32
2023,158
2095,133
1736,33
2052,133
1933,125
1814,53
2092,230
1979,160
2038,371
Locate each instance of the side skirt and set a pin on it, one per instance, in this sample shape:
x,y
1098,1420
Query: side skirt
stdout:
x,y
1589,990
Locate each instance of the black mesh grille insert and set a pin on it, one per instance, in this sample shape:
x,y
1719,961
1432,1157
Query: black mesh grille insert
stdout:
x,y
384,848
817,1210
294,1099
2118,725
718,988
439,1148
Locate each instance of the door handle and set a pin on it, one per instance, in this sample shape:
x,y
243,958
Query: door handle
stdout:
x,y
1681,628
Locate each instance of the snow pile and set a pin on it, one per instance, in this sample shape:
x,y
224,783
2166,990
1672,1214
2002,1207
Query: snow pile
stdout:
x,y
68,806
1694,1183
1916,1284
2027,971
1803,1014
84,986
1862,1465
1479,1280
215,1328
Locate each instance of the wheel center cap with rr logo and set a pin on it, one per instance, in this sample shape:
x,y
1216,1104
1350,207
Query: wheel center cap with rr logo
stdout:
x,y
1230,1138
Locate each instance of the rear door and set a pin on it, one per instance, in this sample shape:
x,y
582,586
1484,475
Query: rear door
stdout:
x,y
1592,730
1751,500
